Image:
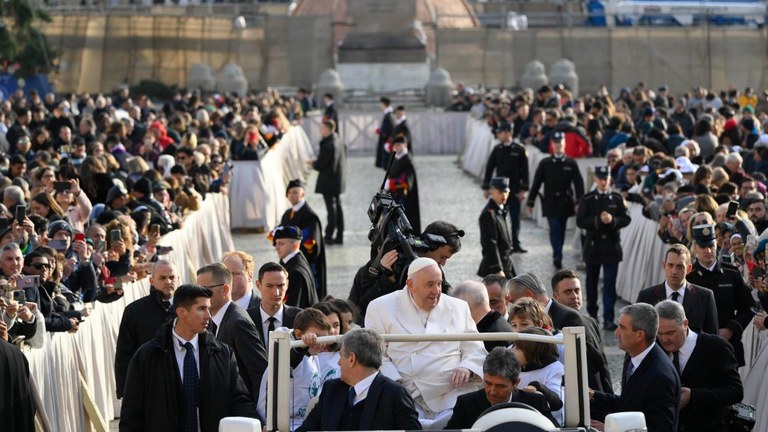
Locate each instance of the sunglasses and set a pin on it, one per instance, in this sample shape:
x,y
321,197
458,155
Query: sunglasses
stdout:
x,y
40,266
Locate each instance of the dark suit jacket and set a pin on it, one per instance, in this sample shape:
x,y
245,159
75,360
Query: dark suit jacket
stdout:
x,y
653,389
289,314
141,321
239,332
301,291
255,300
597,365
469,407
388,406
712,374
698,302
494,322
330,164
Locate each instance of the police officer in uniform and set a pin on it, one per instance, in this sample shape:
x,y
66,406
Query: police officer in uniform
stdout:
x,y
602,213
733,299
494,233
558,173
510,160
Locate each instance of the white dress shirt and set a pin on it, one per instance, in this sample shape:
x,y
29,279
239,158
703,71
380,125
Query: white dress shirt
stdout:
x,y
290,256
362,387
636,360
684,353
681,291
180,351
245,300
220,316
265,322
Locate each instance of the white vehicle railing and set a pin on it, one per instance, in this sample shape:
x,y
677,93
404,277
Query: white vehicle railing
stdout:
x,y
576,387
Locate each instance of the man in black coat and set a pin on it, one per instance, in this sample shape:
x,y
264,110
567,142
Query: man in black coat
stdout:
x,y
330,164
165,391
486,319
301,292
17,407
363,399
403,183
330,111
143,318
602,213
698,302
231,325
312,245
709,373
385,133
563,188
509,159
401,127
494,233
501,374
270,311
566,292
733,299
651,384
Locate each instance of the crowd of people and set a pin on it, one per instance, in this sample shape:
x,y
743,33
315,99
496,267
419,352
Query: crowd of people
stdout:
x,y
189,354
90,184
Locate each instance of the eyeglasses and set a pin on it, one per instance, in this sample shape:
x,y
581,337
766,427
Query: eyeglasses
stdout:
x,y
40,266
213,286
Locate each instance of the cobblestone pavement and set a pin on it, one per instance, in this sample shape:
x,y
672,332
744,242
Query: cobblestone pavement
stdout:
x,y
446,193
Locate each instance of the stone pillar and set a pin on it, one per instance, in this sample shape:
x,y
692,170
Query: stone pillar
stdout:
x,y
201,77
563,72
232,80
439,88
534,76
330,82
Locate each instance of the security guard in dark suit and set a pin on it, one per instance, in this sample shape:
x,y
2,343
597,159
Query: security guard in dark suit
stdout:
x,y
732,297
558,173
509,159
494,234
602,214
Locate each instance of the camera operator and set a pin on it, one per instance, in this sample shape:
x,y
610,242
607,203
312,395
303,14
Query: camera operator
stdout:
x,y
394,265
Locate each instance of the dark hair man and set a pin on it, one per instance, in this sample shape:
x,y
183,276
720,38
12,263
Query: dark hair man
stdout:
x,y
183,352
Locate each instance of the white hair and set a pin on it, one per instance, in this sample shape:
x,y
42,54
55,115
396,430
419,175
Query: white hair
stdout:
x,y
472,292
734,158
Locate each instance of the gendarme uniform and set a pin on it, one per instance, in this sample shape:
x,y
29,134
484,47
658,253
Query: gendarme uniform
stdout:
x,y
494,236
602,246
733,298
509,160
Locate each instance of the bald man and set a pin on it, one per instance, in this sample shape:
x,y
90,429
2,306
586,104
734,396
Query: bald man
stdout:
x,y
441,371
486,319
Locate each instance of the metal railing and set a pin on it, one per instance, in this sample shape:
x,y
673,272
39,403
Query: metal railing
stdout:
x,y
575,385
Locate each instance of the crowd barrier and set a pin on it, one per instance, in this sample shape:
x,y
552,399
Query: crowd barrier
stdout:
x,y
57,367
431,132
257,190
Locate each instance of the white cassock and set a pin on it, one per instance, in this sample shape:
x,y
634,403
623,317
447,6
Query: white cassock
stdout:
x,y
428,365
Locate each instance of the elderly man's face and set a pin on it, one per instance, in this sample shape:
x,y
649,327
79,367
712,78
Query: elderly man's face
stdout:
x,y
425,287
164,279
672,334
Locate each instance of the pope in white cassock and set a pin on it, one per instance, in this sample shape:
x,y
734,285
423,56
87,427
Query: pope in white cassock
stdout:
x,y
434,373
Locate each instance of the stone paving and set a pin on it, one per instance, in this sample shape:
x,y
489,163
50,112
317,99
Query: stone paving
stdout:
x,y
445,193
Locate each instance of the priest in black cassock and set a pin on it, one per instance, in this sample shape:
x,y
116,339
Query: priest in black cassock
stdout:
x,y
17,408
385,132
401,127
312,244
401,182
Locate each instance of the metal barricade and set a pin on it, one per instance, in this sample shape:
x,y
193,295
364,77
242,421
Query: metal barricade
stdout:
x,y
574,340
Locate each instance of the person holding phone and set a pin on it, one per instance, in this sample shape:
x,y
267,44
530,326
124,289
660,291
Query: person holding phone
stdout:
x,y
79,273
77,204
